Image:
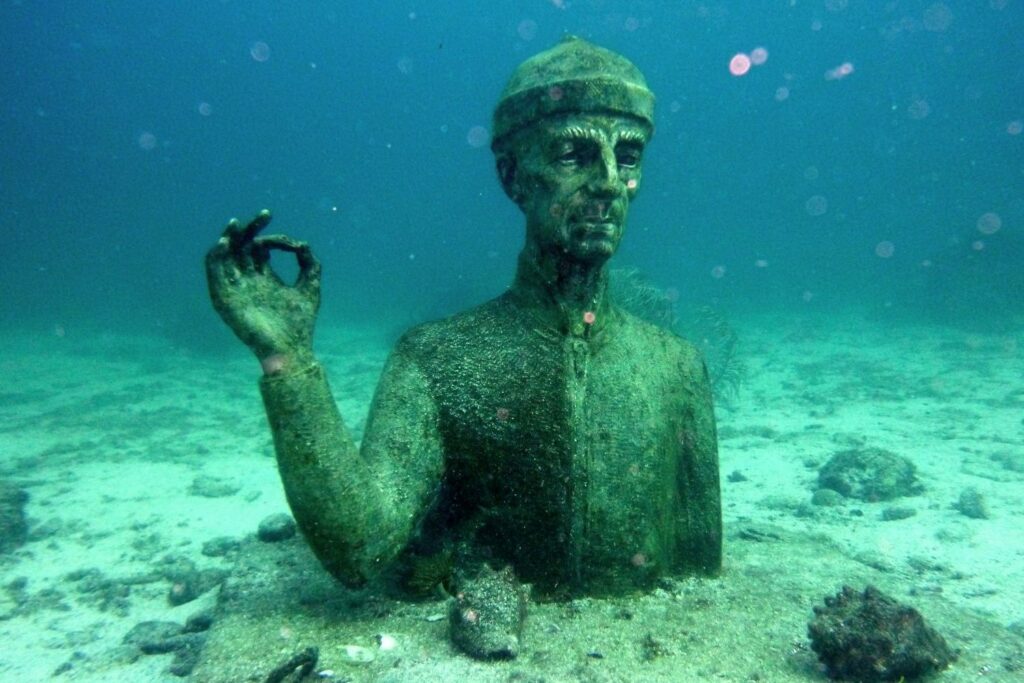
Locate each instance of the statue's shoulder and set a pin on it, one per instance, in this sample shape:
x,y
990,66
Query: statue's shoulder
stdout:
x,y
431,336
678,349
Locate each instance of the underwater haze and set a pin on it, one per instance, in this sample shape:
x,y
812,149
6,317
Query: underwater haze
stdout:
x,y
832,210
872,145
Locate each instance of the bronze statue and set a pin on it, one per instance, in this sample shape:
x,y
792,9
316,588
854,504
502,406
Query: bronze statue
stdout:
x,y
546,430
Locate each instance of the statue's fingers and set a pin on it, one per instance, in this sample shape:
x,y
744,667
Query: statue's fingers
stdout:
x,y
232,236
230,229
232,247
222,269
237,240
256,225
281,242
262,246
308,280
259,254
217,253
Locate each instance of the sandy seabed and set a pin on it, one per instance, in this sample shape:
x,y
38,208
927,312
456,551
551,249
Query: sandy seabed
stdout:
x,y
135,453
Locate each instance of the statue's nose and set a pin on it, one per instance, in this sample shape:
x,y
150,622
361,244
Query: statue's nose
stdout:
x,y
606,175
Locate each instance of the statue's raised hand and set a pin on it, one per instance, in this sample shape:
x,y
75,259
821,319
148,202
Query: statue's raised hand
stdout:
x,y
272,318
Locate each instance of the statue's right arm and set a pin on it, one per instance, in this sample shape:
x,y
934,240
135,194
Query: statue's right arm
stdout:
x,y
357,507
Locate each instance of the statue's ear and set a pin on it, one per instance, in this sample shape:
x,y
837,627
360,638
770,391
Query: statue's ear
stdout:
x,y
506,165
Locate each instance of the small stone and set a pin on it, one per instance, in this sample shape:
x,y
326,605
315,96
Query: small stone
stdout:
x,y
278,527
186,656
386,642
13,528
200,621
827,498
891,514
212,487
221,546
150,636
356,654
486,616
972,504
187,585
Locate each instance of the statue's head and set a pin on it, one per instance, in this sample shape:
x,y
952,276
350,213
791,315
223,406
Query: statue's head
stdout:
x,y
568,136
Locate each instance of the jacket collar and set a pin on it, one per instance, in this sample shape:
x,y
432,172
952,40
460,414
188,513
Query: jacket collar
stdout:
x,y
534,292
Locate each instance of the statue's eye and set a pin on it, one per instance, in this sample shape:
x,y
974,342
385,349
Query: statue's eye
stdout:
x,y
569,158
576,152
628,158
571,154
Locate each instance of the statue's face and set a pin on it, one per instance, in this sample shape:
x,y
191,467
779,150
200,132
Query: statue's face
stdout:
x,y
574,178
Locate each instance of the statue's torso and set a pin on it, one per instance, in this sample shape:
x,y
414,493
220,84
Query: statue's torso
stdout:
x,y
567,454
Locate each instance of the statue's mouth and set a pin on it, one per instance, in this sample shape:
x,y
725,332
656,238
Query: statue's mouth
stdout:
x,y
597,212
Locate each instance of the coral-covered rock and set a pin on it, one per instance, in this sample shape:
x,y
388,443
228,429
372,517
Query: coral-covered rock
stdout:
x,y
870,474
870,636
487,614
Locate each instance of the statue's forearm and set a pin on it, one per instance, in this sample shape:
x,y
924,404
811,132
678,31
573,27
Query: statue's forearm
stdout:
x,y
339,502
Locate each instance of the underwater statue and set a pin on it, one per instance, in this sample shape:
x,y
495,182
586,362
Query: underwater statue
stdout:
x,y
545,436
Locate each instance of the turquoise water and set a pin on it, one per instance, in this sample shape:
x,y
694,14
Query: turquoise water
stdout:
x,y
133,132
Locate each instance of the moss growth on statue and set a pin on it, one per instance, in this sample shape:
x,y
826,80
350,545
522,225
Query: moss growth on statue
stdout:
x,y
547,433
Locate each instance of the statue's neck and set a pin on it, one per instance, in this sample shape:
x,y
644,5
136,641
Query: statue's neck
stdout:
x,y
564,292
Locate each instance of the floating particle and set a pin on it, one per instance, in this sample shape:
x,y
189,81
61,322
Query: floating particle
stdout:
x,y
937,17
147,141
816,205
841,71
527,29
477,136
259,51
989,223
918,109
739,65
885,249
